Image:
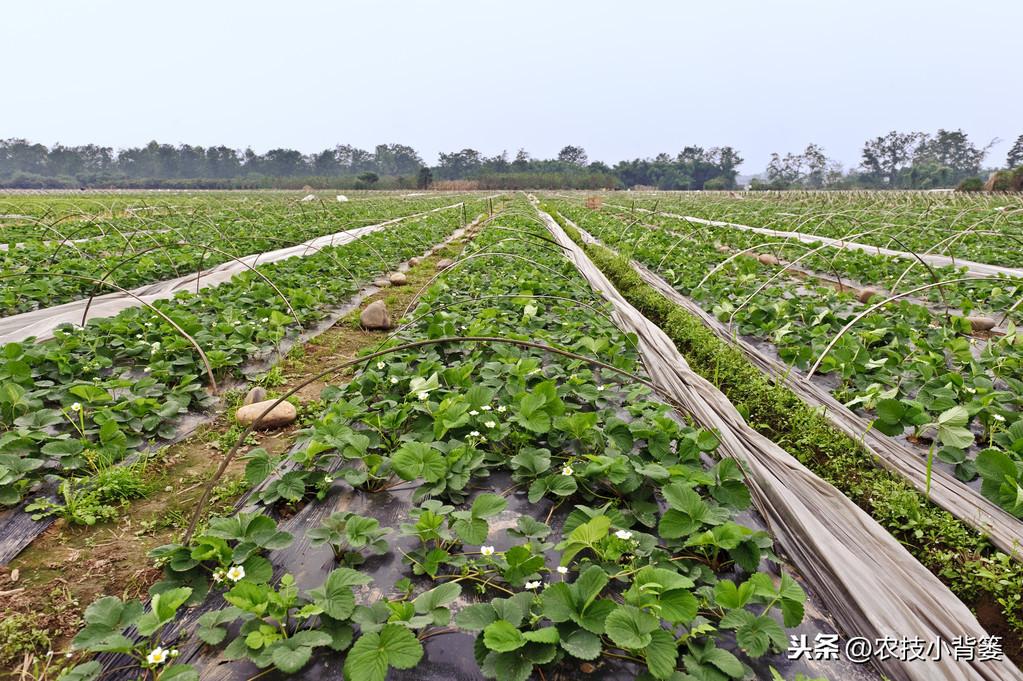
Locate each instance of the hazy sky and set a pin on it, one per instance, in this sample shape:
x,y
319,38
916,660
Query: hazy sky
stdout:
x,y
622,79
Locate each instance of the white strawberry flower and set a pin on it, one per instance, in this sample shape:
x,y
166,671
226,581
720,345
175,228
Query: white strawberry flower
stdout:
x,y
380,365
76,406
236,573
487,550
567,470
423,396
157,655
502,409
533,585
485,407
394,380
474,433
999,417
474,413
562,570
623,534
600,388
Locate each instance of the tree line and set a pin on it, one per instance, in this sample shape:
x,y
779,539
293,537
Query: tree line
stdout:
x,y
896,160
32,165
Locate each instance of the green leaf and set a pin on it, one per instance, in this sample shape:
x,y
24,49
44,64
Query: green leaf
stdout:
x,y
502,637
488,505
630,627
890,411
113,614
558,602
756,634
725,661
336,596
179,672
394,646
477,616
582,644
589,585
661,654
955,436
471,530
678,606
542,635
419,460
88,671
437,597
728,595
163,607
596,615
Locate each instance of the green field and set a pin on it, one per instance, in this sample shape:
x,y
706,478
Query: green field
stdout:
x,y
500,482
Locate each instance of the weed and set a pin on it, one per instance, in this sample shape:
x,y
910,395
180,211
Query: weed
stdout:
x,y
21,634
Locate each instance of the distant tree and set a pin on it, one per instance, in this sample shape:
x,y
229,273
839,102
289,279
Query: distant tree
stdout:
x,y
354,160
397,159
949,155
496,164
459,165
728,161
884,157
284,163
223,162
425,178
326,164
368,178
571,155
1015,157
785,171
521,161
811,169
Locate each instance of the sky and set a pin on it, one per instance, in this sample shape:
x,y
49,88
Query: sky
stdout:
x,y
621,79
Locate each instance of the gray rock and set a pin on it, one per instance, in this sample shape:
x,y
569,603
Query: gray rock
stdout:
x,y
981,323
257,394
375,316
867,293
381,283
398,279
278,417
767,259
412,262
445,263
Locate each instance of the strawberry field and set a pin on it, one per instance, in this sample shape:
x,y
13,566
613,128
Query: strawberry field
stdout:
x,y
505,436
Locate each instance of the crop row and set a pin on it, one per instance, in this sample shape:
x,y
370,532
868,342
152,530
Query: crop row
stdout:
x,y
613,542
984,229
137,251
958,290
73,406
904,365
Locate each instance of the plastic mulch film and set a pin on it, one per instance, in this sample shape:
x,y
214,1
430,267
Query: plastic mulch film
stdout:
x,y
872,586
975,268
42,323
